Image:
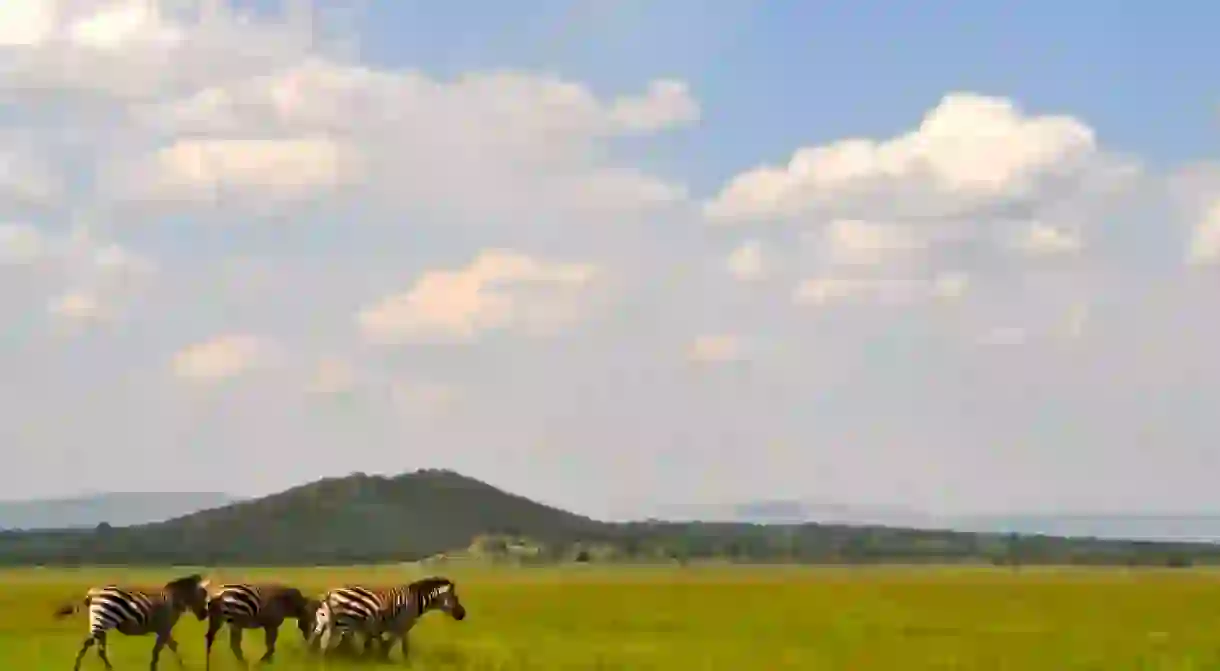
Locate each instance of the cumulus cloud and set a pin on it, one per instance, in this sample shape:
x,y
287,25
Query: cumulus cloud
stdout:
x,y
528,145
408,396
1042,240
848,242
746,262
127,50
20,244
1204,246
332,375
979,185
950,285
221,358
25,23
499,289
132,129
970,154
78,306
275,170
1004,336
25,181
716,348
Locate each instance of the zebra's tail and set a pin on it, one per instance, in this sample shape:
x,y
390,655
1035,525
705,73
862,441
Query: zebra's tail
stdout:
x,y
71,607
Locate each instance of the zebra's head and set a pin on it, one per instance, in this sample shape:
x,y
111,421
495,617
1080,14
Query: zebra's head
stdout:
x,y
440,594
190,593
308,619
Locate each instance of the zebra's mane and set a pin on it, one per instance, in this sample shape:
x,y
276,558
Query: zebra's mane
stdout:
x,y
193,580
430,585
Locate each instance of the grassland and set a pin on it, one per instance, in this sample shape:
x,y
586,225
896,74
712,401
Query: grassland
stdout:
x,y
848,619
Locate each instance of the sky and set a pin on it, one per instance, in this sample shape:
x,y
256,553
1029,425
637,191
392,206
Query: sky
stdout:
x,y
959,258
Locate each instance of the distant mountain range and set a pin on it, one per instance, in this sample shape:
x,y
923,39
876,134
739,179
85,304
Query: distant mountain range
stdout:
x,y
116,509
1135,526
360,519
126,509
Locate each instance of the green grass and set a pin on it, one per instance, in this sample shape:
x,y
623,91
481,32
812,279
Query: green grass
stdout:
x,y
888,619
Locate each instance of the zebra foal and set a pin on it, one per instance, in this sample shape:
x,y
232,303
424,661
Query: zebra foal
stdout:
x,y
376,612
256,606
135,611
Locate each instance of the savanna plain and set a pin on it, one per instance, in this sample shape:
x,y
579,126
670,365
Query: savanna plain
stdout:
x,y
723,617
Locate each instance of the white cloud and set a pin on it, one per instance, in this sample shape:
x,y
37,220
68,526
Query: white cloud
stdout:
x,y
332,375
337,376
746,262
1077,321
829,290
26,180
667,103
499,289
26,23
848,242
426,398
1005,336
495,146
20,244
716,348
220,358
78,306
140,120
1204,246
969,154
1042,240
133,49
124,24
950,285
95,276
205,171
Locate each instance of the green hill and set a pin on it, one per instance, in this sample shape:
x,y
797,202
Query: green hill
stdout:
x,y
362,518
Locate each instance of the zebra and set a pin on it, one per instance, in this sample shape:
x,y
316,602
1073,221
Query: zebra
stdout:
x,y
386,611
256,606
133,611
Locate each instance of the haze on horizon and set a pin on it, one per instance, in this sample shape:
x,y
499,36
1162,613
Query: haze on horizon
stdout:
x,y
614,255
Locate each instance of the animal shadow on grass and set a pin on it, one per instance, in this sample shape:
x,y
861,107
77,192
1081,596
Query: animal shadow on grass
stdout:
x,y
430,658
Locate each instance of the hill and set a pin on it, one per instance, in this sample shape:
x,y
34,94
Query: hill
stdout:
x,y
1116,526
1157,527
116,509
787,511
362,518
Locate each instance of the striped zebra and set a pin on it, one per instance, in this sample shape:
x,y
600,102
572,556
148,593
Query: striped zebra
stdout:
x,y
378,612
135,611
256,606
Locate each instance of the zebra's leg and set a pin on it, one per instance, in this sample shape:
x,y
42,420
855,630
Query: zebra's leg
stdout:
x,y
372,644
209,638
101,650
156,651
271,634
386,644
235,642
324,641
347,643
173,649
402,643
84,648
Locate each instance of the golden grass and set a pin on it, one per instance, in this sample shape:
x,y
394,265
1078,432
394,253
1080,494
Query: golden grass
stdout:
x,y
740,618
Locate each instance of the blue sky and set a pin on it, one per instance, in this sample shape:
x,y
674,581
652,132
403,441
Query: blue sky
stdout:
x,y
950,257
774,75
